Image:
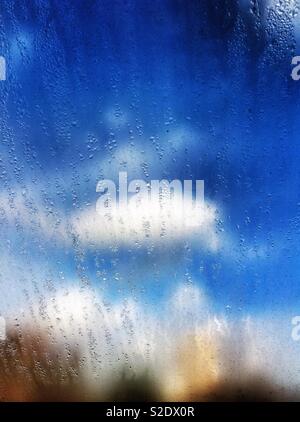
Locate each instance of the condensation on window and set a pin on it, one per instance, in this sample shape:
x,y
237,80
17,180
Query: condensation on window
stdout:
x,y
149,200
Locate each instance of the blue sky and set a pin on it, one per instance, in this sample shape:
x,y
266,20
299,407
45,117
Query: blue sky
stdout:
x,y
161,89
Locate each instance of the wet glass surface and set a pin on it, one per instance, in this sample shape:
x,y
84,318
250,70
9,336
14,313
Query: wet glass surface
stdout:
x,y
129,303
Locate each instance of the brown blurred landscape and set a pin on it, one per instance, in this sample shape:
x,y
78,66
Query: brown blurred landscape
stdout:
x,y
33,367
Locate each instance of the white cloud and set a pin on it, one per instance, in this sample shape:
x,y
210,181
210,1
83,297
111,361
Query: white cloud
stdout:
x,y
146,222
